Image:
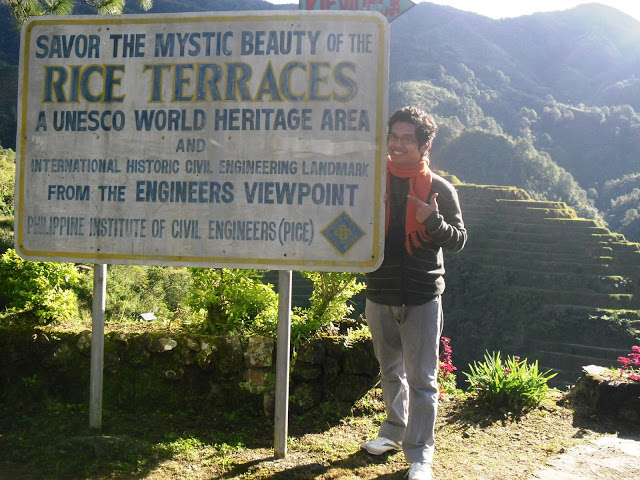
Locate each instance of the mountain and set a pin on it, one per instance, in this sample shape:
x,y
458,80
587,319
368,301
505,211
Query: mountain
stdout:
x,y
574,55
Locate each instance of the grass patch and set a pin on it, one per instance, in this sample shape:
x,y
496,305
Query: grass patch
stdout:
x,y
53,442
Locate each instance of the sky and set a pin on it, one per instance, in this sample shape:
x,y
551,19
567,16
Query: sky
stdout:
x,y
516,8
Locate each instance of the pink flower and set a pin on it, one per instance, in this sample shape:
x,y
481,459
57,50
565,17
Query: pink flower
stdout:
x,y
636,348
635,378
624,361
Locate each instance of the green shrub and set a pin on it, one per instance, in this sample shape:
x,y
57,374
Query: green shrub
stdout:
x,y
511,387
236,301
329,303
40,291
136,289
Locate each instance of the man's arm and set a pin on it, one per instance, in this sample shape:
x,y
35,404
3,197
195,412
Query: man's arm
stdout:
x,y
442,217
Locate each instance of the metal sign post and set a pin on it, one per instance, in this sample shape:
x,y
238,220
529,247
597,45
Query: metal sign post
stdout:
x,y
281,421
97,345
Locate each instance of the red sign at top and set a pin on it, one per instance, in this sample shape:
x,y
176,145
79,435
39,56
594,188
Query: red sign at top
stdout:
x,y
391,9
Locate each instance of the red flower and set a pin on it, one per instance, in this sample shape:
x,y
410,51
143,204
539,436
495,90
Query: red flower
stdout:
x,y
625,361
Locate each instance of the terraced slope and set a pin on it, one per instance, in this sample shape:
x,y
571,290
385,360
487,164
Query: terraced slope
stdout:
x,y
579,281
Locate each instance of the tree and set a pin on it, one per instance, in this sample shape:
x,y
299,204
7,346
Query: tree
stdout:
x,y
39,292
22,10
486,157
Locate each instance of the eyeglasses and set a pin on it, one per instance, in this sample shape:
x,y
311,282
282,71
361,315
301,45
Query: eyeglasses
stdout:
x,y
404,139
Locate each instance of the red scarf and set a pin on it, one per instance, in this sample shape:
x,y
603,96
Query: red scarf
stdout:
x,y
419,176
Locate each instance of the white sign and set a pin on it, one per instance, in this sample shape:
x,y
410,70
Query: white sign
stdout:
x,y
242,139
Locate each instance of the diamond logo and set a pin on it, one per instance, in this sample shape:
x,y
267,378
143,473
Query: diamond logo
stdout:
x,y
343,233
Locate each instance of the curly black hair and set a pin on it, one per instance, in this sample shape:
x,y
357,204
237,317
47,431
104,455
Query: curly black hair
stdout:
x,y
426,127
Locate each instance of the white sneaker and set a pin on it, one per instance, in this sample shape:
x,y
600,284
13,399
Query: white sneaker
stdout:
x,y
420,471
380,445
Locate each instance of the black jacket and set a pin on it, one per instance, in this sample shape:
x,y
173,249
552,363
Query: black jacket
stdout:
x,y
405,279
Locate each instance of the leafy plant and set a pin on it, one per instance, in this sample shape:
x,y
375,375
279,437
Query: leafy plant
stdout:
x,y
236,301
355,335
512,386
329,302
136,289
42,290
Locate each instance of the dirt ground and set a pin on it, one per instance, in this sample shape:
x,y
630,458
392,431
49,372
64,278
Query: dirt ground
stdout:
x,y
609,457
557,441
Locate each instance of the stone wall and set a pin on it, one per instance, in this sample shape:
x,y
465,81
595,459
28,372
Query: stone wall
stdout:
x,y
620,399
181,372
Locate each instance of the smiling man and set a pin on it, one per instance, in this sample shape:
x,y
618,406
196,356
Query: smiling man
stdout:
x,y
404,309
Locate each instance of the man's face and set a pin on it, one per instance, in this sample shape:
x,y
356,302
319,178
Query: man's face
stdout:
x,y
402,144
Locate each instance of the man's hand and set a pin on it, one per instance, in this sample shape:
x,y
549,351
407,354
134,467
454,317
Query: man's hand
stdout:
x,y
423,210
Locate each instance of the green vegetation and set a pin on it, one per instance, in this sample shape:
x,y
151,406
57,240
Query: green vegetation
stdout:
x,y
621,200
332,292
52,292
235,301
37,291
136,289
513,162
218,301
512,387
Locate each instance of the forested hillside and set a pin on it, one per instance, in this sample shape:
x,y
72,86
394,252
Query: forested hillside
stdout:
x,y
547,102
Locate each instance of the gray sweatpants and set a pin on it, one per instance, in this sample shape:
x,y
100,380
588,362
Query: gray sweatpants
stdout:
x,y
406,341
